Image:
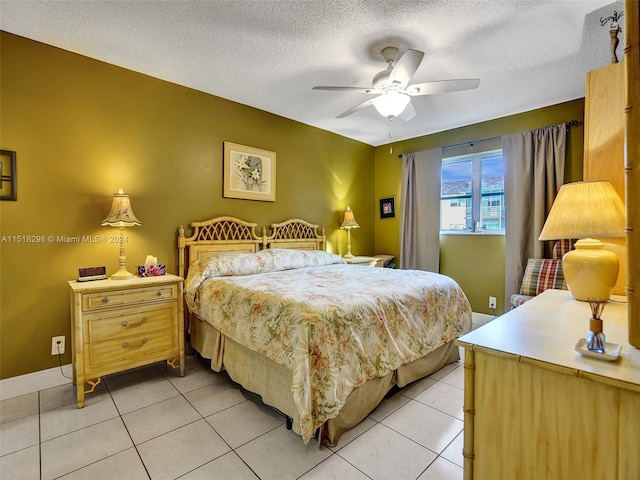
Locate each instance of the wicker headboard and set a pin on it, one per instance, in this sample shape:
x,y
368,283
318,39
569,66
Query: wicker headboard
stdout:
x,y
216,236
231,235
295,234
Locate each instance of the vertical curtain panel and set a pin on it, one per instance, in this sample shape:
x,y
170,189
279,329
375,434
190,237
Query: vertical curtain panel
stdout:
x,y
533,174
420,210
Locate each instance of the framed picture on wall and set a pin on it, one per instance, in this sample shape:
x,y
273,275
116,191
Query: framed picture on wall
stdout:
x,y
8,174
388,207
249,173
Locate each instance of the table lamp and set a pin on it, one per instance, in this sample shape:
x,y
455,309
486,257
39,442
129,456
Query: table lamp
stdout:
x,y
121,215
348,223
586,210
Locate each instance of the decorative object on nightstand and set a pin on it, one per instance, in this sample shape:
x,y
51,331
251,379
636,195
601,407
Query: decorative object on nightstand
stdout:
x,y
120,325
151,267
121,215
596,340
587,211
348,223
595,344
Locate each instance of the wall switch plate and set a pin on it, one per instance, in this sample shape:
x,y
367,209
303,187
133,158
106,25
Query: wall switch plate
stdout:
x,y
57,347
492,302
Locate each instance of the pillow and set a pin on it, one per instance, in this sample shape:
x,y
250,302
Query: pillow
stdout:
x,y
270,260
542,274
560,248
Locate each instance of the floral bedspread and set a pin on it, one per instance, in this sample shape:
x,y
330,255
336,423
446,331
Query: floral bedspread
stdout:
x,y
335,326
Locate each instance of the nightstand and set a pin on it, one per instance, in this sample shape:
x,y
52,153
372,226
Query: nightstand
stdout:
x,y
366,261
122,324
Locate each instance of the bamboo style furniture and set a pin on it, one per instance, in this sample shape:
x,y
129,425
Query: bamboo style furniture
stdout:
x,y
632,164
257,373
535,408
122,324
604,143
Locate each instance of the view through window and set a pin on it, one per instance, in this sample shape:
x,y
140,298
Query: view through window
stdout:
x,y
472,195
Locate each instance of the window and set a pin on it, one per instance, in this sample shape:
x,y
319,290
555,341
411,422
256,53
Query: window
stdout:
x,y
472,195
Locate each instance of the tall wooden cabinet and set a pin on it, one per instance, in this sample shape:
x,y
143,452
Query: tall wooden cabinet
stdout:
x,y
605,97
632,165
604,141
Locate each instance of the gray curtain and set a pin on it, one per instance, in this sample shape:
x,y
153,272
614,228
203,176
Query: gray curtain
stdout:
x,y
420,210
533,174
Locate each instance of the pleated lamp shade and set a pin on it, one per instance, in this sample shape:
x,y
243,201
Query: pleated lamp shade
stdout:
x,y
587,211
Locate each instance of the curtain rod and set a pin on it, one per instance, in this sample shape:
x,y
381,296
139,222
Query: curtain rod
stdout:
x,y
571,123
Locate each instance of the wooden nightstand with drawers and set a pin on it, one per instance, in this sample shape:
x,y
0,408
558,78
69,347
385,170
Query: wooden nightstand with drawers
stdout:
x,y
122,324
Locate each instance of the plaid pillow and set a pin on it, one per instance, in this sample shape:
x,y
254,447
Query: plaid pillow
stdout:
x,y
560,248
542,274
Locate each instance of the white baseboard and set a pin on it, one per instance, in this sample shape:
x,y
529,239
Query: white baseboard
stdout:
x,y
33,382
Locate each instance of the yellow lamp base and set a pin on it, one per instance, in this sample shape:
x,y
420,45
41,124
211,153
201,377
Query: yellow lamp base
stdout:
x,y
589,270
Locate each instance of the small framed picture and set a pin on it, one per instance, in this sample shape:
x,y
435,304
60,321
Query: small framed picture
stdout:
x,y
388,207
8,175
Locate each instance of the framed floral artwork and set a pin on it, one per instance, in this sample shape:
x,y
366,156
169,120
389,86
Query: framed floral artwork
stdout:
x,y
249,173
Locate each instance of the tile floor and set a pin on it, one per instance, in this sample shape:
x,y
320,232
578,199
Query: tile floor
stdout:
x,y
149,423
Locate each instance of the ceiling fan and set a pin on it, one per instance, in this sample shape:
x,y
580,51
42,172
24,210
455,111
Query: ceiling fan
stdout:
x,y
392,86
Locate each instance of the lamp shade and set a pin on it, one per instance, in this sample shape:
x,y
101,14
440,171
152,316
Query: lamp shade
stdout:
x,y
391,103
121,214
349,220
583,210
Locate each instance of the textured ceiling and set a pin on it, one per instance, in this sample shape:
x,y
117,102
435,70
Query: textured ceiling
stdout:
x,y
269,54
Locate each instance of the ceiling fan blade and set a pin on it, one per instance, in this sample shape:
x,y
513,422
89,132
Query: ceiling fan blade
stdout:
x,y
356,108
351,89
408,113
406,67
442,86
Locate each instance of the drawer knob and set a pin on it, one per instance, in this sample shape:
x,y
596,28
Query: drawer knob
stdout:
x,y
126,345
126,324
159,293
105,299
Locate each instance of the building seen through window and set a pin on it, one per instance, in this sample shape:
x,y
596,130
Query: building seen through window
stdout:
x,y
472,195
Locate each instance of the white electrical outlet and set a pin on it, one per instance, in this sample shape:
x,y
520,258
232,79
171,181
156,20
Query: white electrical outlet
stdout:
x,y
57,345
492,303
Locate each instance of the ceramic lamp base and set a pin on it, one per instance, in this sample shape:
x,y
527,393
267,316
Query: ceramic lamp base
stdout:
x,y
121,274
590,271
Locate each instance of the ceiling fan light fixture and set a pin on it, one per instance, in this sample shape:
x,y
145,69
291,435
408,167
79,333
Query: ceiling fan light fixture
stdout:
x,y
391,103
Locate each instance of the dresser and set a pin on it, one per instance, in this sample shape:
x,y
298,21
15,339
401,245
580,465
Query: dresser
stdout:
x,y
534,408
122,324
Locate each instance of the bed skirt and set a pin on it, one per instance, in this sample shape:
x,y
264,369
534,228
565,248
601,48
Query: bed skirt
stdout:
x,y
272,381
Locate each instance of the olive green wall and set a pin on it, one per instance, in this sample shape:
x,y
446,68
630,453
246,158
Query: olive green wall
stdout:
x,y
82,129
476,262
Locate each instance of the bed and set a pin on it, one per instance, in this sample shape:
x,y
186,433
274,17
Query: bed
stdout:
x,y
317,339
